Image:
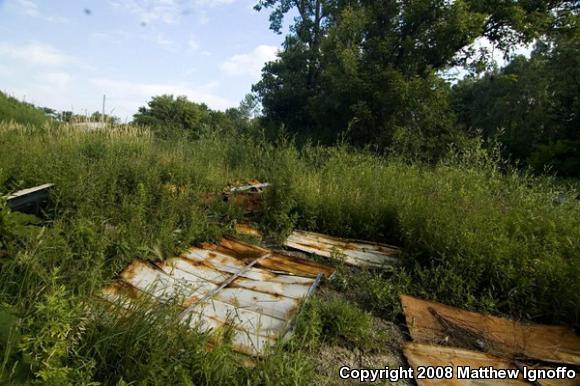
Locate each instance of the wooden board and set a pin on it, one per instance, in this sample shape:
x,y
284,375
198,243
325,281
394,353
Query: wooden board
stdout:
x,y
419,355
499,336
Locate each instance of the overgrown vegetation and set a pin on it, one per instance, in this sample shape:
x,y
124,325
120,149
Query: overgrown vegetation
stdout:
x,y
11,109
475,233
374,73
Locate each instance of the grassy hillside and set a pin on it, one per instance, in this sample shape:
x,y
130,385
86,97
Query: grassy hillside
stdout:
x,y
11,109
473,234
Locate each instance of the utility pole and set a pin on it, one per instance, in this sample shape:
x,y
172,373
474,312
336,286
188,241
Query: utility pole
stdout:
x,y
103,115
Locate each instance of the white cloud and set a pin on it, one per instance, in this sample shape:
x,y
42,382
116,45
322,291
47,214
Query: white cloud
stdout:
x,y
192,43
31,9
165,11
34,53
55,80
249,64
163,42
121,37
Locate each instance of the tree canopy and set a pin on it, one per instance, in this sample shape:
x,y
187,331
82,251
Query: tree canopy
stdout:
x,y
371,71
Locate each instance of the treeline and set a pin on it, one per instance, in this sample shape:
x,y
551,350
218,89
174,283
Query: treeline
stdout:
x,y
12,109
532,105
371,72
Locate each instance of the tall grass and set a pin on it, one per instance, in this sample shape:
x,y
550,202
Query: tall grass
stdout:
x,y
473,235
13,110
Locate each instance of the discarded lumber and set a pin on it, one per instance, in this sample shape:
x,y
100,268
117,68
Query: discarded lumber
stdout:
x,y
470,368
435,323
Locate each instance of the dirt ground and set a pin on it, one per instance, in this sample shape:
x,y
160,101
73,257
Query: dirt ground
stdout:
x,y
330,358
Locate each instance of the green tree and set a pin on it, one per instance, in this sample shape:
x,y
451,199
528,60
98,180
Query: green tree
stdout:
x,y
368,69
531,104
170,116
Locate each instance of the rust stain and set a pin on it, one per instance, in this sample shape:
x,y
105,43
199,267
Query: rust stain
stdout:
x,y
494,335
219,288
355,252
248,230
241,249
294,265
275,261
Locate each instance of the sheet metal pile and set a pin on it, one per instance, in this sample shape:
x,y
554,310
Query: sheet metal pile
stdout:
x,y
233,284
354,252
444,336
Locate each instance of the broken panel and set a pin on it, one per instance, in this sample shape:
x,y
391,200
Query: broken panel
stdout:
x,y
436,323
355,252
220,288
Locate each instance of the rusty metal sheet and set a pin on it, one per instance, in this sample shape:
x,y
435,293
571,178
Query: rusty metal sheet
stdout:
x,y
248,230
159,285
240,318
243,342
194,270
220,291
273,260
277,306
245,196
231,265
251,186
423,355
271,302
356,252
431,322
30,199
295,291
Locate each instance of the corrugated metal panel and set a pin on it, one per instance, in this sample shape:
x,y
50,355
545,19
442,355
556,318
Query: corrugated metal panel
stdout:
x,y
219,290
357,253
273,260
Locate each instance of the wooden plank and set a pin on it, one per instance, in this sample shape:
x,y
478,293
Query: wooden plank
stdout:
x,y
495,335
422,355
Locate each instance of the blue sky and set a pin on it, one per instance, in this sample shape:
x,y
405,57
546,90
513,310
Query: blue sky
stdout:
x,y
54,53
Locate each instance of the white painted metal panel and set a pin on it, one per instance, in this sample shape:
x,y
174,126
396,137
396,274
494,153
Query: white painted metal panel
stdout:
x,y
220,291
358,253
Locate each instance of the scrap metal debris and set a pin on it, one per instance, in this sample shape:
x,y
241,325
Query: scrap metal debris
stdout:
x,y
431,322
227,285
275,261
248,230
247,196
30,199
355,252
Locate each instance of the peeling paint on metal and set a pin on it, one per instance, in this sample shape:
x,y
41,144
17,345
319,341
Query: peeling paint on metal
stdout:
x,y
274,261
355,252
221,290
